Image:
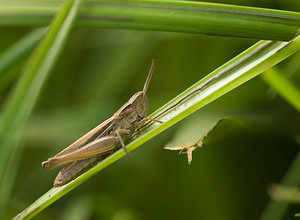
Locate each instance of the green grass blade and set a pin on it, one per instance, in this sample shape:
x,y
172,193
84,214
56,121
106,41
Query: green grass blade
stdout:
x,y
173,16
275,209
22,101
20,49
239,70
16,53
283,86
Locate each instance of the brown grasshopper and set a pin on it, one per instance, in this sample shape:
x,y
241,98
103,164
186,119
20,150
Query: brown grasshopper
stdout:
x,y
104,139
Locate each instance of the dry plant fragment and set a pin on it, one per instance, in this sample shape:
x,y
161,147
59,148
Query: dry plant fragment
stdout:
x,y
189,149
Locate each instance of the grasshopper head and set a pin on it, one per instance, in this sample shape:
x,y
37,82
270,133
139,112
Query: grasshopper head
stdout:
x,y
136,108
139,104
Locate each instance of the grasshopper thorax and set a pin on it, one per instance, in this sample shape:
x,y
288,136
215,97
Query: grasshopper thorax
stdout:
x,y
135,109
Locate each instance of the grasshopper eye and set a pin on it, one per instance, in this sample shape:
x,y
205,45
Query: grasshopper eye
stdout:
x,y
142,106
139,104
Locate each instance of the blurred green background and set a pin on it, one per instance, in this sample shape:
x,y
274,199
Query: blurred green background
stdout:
x,y
98,72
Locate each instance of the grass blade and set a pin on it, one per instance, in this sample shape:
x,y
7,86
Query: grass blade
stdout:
x,y
22,101
176,16
17,53
239,70
20,49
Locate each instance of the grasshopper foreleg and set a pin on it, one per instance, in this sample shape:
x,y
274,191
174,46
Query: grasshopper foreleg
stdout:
x,y
95,148
118,133
149,119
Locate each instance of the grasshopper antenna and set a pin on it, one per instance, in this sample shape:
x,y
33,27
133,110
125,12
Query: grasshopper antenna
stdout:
x,y
149,75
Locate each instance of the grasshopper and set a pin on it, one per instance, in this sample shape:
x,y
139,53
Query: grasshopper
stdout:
x,y
104,139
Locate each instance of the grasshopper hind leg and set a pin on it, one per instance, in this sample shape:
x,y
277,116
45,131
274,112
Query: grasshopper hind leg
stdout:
x,y
73,170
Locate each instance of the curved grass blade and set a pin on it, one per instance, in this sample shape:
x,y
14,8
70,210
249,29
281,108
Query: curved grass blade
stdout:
x,y
237,71
173,16
22,101
187,146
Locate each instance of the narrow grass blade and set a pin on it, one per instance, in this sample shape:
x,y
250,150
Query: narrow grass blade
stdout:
x,y
275,209
16,53
239,70
20,49
21,102
283,86
173,16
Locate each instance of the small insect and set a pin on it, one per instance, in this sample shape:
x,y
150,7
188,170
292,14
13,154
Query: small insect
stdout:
x,y
104,139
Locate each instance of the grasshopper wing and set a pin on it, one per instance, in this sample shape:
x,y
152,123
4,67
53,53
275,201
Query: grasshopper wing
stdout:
x,y
88,137
92,149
